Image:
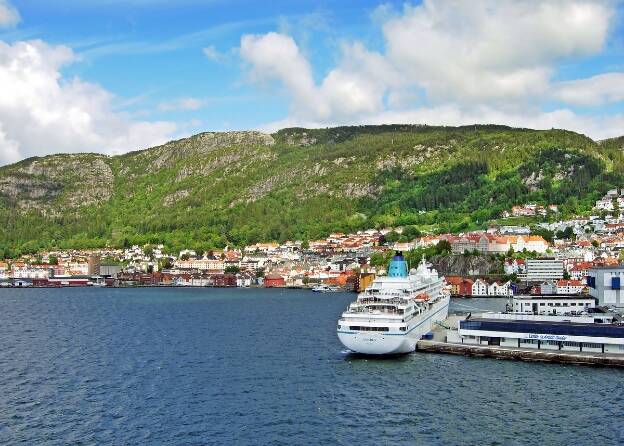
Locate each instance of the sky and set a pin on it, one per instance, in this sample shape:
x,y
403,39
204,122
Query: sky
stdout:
x,y
110,76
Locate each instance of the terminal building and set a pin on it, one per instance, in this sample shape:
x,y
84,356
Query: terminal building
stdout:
x,y
566,323
605,284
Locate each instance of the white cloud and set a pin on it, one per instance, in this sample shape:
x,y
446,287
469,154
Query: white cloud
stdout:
x,y
9,16
594,91
42,112
494,49
213,54
597,126
452,62
181,104
356,86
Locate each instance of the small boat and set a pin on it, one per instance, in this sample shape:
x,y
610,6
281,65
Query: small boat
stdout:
x,y
322,288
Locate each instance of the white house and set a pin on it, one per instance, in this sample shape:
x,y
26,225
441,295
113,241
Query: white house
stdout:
x,y
480,288
500,289
604,204
569,286
548,287
31,273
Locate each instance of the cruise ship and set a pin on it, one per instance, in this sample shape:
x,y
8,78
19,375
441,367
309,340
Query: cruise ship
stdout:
x,y
395,311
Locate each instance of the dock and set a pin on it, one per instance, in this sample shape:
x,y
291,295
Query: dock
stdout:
x,y
439,343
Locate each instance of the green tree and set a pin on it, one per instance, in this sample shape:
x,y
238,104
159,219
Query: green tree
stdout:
x,y
411,232
443,247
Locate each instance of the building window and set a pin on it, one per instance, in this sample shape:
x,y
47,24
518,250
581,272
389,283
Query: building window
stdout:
x,y
615,283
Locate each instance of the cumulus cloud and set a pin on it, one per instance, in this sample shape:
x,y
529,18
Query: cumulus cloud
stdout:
x,y
42,112
452,62
181,104
492,50
9,16
356,86
593,91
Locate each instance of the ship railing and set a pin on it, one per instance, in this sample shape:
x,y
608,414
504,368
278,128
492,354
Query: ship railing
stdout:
x,y
367,300
372,311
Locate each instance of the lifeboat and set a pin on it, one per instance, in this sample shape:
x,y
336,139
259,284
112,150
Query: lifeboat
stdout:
x,y
422,297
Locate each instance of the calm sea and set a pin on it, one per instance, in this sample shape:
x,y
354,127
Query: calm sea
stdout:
x,y
237,367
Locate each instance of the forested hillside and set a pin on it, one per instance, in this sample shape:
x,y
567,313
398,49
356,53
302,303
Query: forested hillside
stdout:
x,y
240,187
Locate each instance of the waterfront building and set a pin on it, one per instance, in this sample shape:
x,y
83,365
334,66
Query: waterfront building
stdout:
x,y
605,284
538,270
500,289
570,286
274,281
460,286
479,288
546,287
576,325
552,304
110,270
203,264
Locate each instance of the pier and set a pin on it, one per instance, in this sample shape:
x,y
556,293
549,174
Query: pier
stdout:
x,y
440,343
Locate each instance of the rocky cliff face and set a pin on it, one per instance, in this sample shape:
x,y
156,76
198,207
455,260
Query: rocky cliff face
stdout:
x,y
467,266
201,144
77,180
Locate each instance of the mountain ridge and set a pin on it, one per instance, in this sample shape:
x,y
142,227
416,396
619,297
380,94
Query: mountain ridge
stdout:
x,y
237,187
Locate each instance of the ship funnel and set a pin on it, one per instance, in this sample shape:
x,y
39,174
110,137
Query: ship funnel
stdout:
x,y
398,266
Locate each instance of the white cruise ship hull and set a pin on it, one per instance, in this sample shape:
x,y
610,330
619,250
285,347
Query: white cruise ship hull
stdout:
x,y
384,343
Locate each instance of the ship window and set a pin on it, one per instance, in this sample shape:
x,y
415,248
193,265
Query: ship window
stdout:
x,y
403,328
542,304
361,328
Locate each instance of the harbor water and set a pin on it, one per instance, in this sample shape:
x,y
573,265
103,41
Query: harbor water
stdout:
x,y
264,367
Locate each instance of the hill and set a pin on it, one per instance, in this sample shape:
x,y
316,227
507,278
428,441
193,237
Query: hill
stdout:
x,y
241,187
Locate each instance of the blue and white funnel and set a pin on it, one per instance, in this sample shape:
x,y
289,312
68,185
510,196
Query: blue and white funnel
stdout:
x,y
398,266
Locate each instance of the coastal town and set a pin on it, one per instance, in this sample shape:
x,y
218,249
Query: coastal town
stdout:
x,y
545,258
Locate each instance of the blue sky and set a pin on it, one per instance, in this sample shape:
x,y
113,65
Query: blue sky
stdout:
x,y
113,75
